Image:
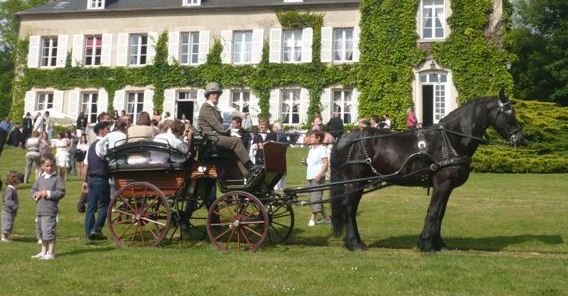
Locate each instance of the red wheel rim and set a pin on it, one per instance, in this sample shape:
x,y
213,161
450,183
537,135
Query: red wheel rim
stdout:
x,y
139,215
237,221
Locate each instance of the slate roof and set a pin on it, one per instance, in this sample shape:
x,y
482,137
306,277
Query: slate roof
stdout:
x,y
74,6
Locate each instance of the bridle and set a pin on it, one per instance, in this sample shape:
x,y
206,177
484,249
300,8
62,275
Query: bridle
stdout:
x,y
511,135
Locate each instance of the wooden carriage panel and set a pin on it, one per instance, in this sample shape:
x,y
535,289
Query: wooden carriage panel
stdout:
x,y
275,157
168,181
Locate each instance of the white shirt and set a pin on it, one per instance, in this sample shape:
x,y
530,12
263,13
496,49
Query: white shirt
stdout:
x,y
315,158
97,151
172,140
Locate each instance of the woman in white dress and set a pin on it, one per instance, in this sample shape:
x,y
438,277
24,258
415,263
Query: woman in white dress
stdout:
x,y
62,146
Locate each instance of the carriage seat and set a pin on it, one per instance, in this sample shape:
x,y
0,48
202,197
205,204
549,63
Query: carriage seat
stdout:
x,y
147,155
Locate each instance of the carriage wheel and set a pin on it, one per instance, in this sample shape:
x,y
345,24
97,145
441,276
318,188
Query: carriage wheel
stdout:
x,y
139,215
237,221
281,219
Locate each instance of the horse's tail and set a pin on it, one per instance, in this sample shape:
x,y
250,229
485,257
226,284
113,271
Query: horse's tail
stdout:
x,y
337,192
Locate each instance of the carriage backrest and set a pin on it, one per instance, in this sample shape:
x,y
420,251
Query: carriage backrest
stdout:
x,y
157,156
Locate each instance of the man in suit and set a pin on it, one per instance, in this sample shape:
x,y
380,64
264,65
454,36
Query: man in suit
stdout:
x,y
210,122
264,135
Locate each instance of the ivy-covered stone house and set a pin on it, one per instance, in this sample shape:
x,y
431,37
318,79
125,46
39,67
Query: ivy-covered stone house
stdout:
x,y
283,58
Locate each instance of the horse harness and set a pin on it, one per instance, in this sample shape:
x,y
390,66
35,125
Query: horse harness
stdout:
x,y
449,154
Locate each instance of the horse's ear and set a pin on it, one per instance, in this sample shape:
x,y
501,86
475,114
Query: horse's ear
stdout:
x,y
502,96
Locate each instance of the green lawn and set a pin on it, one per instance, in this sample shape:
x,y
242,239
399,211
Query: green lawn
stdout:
x,y
508,235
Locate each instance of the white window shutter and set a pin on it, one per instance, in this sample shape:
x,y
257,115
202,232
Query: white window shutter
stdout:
x,y
122,50
326,44
62,41
275,105
169,100
275,55
119,100
29,101
33,51
325,102
58,100
225,99
102,101
254,109
73,103
203,47
257,45
307,41
355,105
173,46
77,55
227,41
356,52
200,101
148,101
304,105
152,41
106,51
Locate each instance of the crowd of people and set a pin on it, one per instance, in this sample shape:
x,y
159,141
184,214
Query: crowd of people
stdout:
x,y
82,153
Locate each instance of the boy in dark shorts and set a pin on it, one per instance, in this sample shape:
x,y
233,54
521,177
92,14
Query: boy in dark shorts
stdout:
x,y
46,192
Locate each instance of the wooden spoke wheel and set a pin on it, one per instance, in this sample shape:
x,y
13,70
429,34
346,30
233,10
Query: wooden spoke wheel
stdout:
x,y
139,215
237,221
281,219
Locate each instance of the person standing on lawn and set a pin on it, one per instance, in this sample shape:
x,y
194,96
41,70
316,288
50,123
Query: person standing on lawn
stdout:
x,y
47,190
97,185
10,204
317,162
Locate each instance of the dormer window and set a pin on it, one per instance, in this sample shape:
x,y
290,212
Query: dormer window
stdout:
x,y
191,2
96,4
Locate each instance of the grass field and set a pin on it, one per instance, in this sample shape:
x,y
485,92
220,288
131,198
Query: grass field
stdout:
x,y
507,234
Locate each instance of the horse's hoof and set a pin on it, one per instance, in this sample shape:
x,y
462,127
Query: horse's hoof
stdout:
x,y
426,246
356,246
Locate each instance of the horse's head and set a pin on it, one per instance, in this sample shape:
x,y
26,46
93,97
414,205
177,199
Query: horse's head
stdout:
x,y
502,118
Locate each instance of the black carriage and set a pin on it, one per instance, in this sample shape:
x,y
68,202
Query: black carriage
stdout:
x,y
160,190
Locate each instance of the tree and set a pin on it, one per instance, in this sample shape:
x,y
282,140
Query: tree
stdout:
x,y
539,38
9,26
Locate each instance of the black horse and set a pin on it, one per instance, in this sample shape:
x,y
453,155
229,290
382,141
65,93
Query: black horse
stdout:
x,y
437,157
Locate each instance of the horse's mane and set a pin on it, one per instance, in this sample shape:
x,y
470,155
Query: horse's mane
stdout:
x,y
463,108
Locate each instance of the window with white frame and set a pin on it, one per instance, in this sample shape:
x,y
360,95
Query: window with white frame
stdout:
x,y
134,104
242,47
48,51
343,44
343,105
93,50
240,99
187,95
88,105
433,19
44,101
292,46
438,81
189,53
191,2
138,49
290,106
96,4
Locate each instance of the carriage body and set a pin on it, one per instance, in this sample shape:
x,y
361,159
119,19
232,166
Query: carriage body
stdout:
x,y
158,188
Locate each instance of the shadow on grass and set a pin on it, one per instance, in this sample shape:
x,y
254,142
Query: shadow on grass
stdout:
x,y
495,243
86,250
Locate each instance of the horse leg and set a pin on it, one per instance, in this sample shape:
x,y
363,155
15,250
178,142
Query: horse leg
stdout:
x,y
430,238
352,238
437,236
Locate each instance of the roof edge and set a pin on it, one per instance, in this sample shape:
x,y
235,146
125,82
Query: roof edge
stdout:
x,y
182,9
